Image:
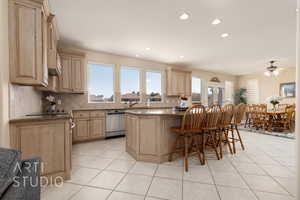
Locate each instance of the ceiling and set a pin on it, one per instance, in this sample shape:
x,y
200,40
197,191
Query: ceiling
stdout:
x,y
258,31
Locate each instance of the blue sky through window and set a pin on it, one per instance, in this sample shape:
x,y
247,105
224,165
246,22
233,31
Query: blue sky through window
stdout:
x,y
130,80
101,80
153,82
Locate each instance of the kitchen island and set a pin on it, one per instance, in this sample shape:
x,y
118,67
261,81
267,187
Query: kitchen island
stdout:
x,y
148,135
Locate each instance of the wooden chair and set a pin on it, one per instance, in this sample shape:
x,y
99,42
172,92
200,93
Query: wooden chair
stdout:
x,y
209,134
224,126
249,110
259,117
237,119
191,125
287,119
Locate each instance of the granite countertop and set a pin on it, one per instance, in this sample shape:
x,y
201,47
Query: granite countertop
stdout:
x,y
127,108
39,118
156,112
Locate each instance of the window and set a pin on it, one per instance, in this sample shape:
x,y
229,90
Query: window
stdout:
x,y
153,86
196,89
130,84
101,83
229,92
252,91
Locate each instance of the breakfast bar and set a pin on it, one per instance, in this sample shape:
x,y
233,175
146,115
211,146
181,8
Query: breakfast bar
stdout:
x,y
148,135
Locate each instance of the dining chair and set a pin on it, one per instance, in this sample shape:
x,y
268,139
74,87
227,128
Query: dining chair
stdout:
x,y
237,119
259,117
209,134
224,126
191,125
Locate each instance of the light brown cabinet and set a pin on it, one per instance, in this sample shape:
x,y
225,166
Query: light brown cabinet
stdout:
x,y
72,78
49,140
52,85
53,58
179,82
89,125
27,42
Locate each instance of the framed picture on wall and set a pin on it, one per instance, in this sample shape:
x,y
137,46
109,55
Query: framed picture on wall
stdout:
x,y
288,90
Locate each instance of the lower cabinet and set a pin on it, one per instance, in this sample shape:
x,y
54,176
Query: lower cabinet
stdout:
x,y
48,140
89,125
97,128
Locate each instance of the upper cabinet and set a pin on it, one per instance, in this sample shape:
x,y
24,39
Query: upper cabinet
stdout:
x,y
27,42
72,78
179,82
54,65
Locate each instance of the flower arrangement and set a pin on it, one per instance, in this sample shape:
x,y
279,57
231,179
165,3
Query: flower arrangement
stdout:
x,y
274,100
52,102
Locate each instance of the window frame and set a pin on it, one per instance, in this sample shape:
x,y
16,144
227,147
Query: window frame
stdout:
x,y
113,66
161,85
201,92
140,82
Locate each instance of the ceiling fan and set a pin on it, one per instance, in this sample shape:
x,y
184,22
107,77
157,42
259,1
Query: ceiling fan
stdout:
x,y
272,70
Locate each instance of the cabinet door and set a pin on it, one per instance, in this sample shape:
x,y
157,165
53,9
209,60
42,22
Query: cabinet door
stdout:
x,y
180,81
52,46
97,128
66,75
47,142
28,44
131,132
188,84
81,130
78,75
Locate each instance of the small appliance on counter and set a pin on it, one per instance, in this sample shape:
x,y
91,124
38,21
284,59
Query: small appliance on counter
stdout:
x,y
183,104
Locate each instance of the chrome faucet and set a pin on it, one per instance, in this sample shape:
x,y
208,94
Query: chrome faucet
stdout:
x,y
131,104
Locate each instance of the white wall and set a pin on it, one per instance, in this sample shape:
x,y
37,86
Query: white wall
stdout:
x,y
4,74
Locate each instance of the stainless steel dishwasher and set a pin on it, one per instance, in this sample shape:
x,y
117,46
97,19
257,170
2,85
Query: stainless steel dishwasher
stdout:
x,y
115,123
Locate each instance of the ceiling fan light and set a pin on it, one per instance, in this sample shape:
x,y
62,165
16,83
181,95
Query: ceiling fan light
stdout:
x,y
267,73
276,72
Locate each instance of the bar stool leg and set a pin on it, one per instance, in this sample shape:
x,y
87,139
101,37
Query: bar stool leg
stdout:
x,y
186,152
240,138
227,141
215,145
203,148
233,140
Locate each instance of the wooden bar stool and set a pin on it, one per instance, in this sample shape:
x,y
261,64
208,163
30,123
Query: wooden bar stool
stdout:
x,y
209,134
237,119
225,125
191,125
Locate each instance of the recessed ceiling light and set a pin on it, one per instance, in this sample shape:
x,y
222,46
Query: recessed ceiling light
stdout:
x,y
137,55
181,57
148,48
216,22
297,10
184,16
224,35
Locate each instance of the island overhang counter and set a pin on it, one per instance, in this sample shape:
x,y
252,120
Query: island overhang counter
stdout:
x,y
148,135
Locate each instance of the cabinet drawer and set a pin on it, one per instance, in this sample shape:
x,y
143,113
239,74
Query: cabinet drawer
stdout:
x,y
97,114
81,114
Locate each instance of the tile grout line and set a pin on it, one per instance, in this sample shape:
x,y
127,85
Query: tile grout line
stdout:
x,y
238,172
210,171
153,176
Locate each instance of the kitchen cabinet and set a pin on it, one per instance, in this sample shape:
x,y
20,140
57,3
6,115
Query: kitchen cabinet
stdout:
x,y
89,125
53,58
27,42
50,140
52,85
97,126
179,82
72,78
81,131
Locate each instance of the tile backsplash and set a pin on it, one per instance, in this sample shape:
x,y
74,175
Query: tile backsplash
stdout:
x,y
80,101
24,100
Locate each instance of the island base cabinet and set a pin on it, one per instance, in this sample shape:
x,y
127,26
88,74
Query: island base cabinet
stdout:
x,y
148,138
50,141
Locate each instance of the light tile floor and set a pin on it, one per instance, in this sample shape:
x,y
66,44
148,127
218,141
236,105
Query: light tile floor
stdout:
x,y
103,170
